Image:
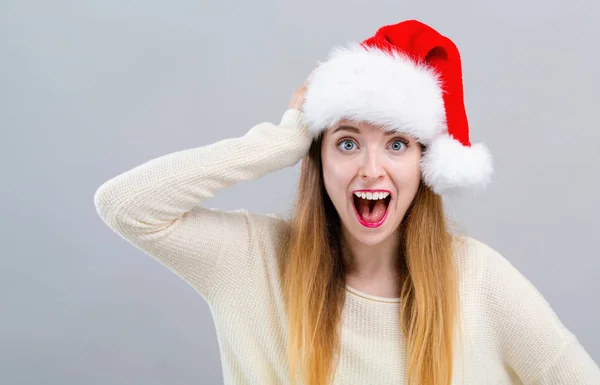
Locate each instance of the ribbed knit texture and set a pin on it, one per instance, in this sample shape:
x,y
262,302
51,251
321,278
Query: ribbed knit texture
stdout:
x,y
511,334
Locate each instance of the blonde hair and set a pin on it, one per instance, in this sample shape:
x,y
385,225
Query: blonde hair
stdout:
x,y
313,284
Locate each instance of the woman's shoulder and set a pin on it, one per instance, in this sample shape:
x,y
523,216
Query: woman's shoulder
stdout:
x,y
251,242
264,228
528,333
476,260
471,254
496,280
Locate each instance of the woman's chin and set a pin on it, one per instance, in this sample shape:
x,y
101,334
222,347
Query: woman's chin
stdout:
x,y
370,240
368,235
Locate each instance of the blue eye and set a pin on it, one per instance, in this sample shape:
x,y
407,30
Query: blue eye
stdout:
x,y
344,143
398,145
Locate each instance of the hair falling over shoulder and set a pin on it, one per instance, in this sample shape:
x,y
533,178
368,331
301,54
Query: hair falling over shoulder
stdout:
x,y
313,285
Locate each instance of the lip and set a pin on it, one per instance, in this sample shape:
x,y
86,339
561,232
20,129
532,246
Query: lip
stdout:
x,y
370,224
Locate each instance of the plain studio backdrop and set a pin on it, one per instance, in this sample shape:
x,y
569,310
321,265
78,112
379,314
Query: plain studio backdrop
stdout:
x,y
91,89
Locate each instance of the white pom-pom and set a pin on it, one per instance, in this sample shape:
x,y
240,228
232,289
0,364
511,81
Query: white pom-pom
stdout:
x,y
449,165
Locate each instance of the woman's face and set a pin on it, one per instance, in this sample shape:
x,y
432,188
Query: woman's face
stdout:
x,y
360,157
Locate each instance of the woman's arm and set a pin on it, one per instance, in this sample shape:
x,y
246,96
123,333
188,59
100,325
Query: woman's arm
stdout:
x,y
155,206
532,339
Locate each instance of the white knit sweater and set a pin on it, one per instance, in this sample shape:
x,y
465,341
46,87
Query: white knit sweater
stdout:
x,y
511,334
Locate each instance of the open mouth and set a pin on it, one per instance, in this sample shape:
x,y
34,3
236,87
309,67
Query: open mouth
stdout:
x,y
371,212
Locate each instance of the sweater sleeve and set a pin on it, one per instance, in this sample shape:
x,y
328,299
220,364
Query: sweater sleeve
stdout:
x,y
156,205
531,338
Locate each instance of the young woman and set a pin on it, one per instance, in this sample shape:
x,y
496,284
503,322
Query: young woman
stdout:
x,y
365,284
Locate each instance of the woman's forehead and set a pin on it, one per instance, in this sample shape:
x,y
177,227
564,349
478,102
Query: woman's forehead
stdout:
x,y
365,127
356,123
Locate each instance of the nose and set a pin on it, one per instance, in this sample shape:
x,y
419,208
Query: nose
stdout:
x,y
371,168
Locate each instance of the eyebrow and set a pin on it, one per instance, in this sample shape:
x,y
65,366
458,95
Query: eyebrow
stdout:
x,y
357,131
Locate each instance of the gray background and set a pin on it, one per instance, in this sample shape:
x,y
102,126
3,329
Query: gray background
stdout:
x,y
90,89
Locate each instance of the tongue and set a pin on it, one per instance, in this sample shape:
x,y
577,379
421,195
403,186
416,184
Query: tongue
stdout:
x,y
374,215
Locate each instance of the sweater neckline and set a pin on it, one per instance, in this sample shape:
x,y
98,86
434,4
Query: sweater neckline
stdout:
x,y
370,297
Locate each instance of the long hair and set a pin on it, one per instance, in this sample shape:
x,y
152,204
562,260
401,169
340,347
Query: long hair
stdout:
x,y
313,284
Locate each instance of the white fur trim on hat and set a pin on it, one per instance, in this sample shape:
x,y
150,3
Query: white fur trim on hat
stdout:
x,y
447,164
367,84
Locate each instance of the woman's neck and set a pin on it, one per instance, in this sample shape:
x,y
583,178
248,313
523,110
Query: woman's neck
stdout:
x,y
368,262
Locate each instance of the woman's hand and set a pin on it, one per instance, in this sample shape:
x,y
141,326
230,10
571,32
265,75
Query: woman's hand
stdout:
x,y
298,97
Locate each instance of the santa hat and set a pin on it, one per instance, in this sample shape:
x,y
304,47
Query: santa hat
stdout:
x,y
407,78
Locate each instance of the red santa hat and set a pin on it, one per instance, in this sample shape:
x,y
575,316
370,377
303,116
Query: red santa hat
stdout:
x,y
407,78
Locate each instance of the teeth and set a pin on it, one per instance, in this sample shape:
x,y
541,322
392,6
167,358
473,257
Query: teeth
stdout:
x,y
372,196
